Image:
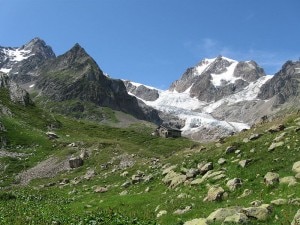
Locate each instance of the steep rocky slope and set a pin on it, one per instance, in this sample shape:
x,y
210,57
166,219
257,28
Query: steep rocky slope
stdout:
x,y
75,75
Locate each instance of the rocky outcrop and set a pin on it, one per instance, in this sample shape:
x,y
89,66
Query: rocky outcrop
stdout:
x,y
141,91
16,93
284,85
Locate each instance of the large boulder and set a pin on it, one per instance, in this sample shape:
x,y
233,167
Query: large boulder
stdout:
x,y
271,178
260,213
215,193
75,162
234,183
174,179
219,215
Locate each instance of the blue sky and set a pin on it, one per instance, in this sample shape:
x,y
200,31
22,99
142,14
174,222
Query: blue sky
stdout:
x,y
154,41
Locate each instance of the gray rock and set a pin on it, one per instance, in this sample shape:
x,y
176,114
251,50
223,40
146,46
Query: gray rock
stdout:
x,y
260,213
280,137
222,161
271,179
234,183
199,221
296,167
141,91
100,189
182,211
246,193
207,167
276,128
275,145
230,149
245,162
289,180
168,169
89,174
191,173
294,201
296,219
213,175
215,193
75,162
254,137
161,213
221,214
280,201
125,192
126,184
52,135
238,218
174,179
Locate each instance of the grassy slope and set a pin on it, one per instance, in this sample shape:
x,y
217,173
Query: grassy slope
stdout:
x,y
73,203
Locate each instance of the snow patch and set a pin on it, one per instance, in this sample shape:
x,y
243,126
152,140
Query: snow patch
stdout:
x,y
227,76
5,70
17,54
249,93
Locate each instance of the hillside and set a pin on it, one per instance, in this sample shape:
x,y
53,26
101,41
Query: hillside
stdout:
x,y
131,177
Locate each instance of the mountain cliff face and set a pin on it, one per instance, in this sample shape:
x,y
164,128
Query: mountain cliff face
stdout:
x,y
22,63
284,85
16,93
75,75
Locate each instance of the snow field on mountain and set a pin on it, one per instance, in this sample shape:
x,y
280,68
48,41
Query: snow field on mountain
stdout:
x,y
227,76
249,93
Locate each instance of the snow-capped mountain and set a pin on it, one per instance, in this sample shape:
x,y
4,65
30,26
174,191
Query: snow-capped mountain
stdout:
x,y
211,86
21,63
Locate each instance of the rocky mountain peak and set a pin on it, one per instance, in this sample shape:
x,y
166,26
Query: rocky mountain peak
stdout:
x,y
38,46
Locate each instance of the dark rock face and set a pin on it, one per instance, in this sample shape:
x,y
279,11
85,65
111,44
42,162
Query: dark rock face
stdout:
x,y
75,75
34,54
16,93
201,83
283,85
3,140
142,91
248,71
